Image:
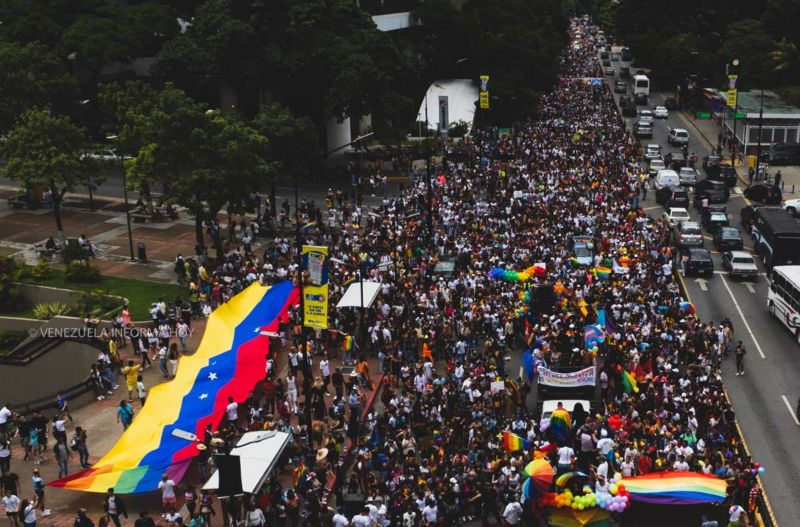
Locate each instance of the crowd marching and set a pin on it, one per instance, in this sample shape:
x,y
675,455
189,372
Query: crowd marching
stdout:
x,y
431,449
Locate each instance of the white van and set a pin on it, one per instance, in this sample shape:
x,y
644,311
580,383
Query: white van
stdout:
x,y
641,84
667,178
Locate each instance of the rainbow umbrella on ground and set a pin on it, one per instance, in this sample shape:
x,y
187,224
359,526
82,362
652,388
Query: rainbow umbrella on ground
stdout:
x,y
565,478
539,473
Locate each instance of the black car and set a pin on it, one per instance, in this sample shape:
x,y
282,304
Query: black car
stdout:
x,y
640,98
784,154
672,197
728,239
670,103
711,160
714,197
712,185
627,55
725,173
746,216
627,105
620,87
675,160
696,261
764,193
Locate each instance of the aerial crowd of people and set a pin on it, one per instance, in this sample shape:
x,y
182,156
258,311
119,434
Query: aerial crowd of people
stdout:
x,y
430,449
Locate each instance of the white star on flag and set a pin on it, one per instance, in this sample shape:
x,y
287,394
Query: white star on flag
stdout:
x,y
203,395
212,376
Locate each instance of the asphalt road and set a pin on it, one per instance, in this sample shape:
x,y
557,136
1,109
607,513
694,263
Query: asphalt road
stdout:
x,y
766,396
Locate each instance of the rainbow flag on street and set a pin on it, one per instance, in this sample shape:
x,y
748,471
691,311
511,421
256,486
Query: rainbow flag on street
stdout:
x,y
560,425
676,488
629,383
228,363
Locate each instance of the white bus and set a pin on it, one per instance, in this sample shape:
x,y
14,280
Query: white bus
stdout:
x,y
783,298
641,84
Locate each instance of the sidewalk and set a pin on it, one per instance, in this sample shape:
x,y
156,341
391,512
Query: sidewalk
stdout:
x,y
708,131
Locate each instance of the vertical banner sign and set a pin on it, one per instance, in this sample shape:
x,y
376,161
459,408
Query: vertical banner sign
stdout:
x,y
484,93
731,98
315,290
732,81
444,113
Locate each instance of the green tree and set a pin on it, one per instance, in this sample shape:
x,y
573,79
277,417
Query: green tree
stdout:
x,y
45,151
748,41
31,76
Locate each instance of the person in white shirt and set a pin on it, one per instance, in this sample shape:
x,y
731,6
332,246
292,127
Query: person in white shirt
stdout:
x,y
254,517
513,513
362,519
5,417
681,464
339,519
430,513
325,369
167,487
232,411
565,457
11,505
735,514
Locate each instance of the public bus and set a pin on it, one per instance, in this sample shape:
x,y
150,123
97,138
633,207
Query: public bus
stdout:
x,y
641,84
783,298
776,237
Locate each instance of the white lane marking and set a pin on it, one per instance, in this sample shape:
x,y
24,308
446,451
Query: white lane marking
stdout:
x,y
741,315
737,190
726,272
703,283
750,287
791,410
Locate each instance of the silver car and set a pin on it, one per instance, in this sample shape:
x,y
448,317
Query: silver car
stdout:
x,y
689,234
688,176
651,152
739,264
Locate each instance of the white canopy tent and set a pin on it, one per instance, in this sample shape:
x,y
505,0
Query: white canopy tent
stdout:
x,y
352,297
458,96
259,452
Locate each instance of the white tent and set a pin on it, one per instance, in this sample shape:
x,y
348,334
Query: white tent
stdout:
x,y
352,297
259,453
458,95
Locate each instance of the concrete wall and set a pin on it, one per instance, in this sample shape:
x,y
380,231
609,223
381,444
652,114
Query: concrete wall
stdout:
x,y
62,367
18,324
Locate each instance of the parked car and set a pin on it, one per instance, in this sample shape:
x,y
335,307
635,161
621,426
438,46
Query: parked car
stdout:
x,y
725,173
675,215
626,54
670,103
640,98
646,115
660,112
728,239
678,137
643,129
711,160
713,185
673,197
689,234
784,154
620,87
739,264
765,193
696,262
792,206
610,71
688,176
615,57
625,72
656,165
652,151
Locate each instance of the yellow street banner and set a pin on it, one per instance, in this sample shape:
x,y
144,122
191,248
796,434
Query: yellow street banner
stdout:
x,y
731,98
315,288
484,83
484,100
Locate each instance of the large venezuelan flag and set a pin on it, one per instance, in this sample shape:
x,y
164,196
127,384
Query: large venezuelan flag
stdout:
x,y
676,488
228,363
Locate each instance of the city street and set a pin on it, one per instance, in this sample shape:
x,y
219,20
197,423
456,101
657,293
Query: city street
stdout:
x,y
766,396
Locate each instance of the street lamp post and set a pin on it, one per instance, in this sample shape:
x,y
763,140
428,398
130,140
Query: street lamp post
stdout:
x,y
306,356
125,195
760,121
735,64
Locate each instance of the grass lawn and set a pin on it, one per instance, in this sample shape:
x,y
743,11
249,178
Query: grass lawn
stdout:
x,y
139,293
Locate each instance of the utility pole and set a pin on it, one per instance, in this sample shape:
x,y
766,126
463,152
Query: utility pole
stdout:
x,y
760,122
429,214
306,356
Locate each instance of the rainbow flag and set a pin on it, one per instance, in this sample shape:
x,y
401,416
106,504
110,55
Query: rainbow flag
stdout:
x,y
676,488
348,343
299,472
560,425
602,272
228,363
568,517
514,443
629,383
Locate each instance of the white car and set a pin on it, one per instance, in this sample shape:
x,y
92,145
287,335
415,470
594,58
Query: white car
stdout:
x,y
739,264
660,112
678,136
675,215
792,206
656,165
646,116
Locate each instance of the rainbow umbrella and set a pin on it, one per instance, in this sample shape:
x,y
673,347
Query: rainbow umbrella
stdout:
x,y
565,478
540,473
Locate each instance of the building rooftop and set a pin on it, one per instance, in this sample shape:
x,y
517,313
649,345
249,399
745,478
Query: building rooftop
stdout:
x,y
750,103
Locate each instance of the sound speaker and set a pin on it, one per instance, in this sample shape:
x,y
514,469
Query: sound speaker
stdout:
x,y
542,299
230,475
